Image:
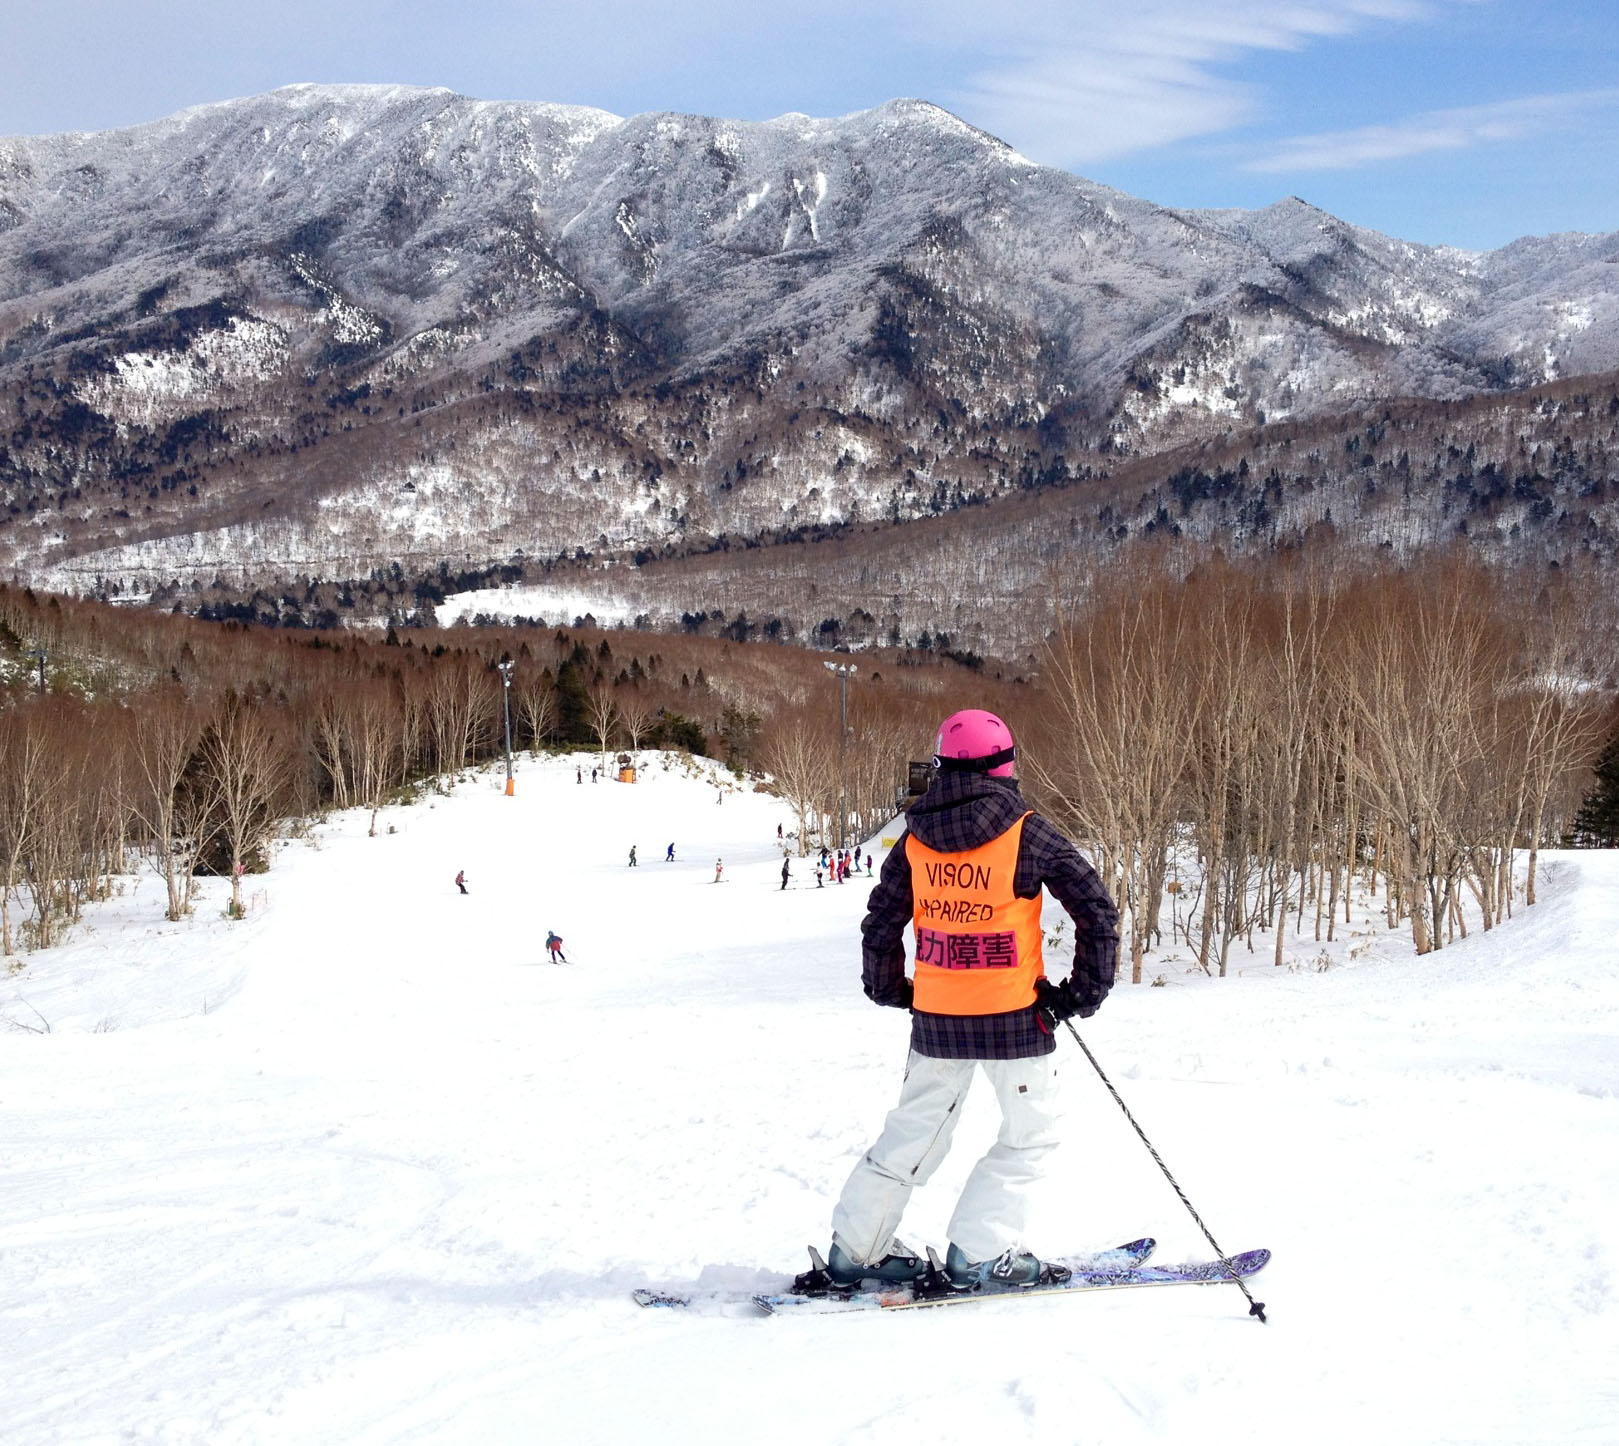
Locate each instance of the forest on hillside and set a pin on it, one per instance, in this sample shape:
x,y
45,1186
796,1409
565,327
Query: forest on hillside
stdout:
x,y
1250,743
1527,479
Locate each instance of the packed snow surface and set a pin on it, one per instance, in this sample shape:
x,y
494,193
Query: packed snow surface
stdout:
x,y
365,1167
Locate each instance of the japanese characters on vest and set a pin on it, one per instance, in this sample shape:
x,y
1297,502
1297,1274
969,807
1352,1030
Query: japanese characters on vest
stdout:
x,y
978,946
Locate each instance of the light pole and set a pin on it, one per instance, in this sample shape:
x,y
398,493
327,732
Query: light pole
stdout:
x,y
843,670
505,666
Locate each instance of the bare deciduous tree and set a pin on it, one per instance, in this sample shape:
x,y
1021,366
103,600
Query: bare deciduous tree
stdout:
x,y
378,756
636,715
23,747
537,707
166,738
602,710
244,767
804,768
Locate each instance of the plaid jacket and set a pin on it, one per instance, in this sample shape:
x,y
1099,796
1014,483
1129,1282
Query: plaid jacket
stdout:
x,y
961,811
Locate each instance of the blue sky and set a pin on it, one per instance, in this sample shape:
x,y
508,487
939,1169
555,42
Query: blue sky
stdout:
x,y
1467,122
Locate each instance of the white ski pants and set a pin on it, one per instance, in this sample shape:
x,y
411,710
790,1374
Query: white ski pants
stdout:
x,y
994,1206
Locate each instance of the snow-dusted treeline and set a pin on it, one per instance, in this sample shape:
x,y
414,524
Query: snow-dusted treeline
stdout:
x,y
129,737
1264,742
1527,479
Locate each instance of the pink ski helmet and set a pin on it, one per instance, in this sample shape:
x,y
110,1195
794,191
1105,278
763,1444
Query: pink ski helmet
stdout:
x,y
973,741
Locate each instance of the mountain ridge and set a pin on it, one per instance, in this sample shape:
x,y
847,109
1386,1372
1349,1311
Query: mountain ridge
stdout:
x,y
329,327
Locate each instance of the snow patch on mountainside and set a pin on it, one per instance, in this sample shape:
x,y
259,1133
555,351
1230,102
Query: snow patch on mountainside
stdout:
x,y
562,605
145,386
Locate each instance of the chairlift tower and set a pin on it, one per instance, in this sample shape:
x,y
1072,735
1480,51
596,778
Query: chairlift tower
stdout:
x,y
505,666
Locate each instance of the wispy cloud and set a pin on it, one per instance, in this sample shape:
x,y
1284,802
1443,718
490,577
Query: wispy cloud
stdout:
x,y
1438,130
1101,79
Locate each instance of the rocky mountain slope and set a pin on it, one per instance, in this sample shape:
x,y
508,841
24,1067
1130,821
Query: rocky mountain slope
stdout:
x,y
332,330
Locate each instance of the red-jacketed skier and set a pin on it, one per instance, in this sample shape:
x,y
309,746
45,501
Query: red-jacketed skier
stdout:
x,y
553,942
967,877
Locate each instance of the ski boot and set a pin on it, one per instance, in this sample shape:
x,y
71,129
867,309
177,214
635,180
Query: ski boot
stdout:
x,y
1010,1270
840,1274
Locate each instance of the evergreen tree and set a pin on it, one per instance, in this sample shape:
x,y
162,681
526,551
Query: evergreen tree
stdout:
x,y
1596,825
739,731
573,703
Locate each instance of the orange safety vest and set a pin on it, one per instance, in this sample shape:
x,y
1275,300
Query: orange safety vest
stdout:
x,y
977,944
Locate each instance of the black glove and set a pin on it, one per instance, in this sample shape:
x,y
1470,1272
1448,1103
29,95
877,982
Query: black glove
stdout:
x,y
1063,1001
897,995
1054,1002
1090,995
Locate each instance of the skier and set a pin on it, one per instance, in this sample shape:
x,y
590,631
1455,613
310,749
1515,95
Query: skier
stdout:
x,y
669,857
784,870
578,774
719,868
632,856
778,833
461,881
553,942
818,883
967,877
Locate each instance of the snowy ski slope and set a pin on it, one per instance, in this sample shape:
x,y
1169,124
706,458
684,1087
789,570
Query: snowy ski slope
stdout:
x,y
366,1168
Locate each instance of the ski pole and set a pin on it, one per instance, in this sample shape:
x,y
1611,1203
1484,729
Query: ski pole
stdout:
x,y
1255,1307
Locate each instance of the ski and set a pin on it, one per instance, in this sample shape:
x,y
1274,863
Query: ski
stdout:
x,y
1085,1277
1119,1258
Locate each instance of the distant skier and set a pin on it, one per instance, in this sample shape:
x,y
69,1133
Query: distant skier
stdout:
x,y
578,773
778,833
785,870
967,877
553,942
719,868
632,856
461,881
669,857
818,871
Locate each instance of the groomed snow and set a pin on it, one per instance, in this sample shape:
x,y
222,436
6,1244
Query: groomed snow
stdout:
x,y
365,1168
560,604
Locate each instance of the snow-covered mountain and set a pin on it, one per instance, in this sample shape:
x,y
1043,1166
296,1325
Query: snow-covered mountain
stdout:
x,y
332,328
